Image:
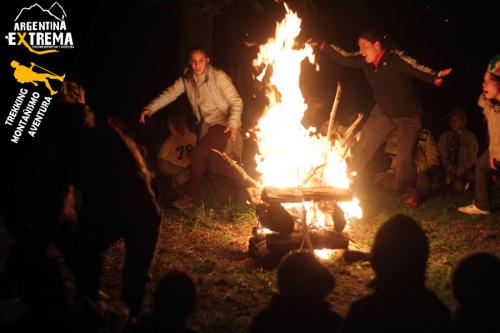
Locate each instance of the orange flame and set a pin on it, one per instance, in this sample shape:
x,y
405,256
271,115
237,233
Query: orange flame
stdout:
x,y
289,154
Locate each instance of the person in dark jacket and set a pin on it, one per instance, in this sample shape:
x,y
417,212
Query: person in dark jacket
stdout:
x,y
458,148
389,74
300,306
400,301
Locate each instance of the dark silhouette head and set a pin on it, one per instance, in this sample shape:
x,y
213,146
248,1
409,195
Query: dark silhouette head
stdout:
x,y
301,274
476,280
399,253
175,295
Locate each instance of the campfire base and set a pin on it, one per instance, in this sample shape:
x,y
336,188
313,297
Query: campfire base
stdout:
x,y
276,233
268,248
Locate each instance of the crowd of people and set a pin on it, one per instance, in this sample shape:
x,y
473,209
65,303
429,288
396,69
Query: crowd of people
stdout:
x,y
399,301
95,187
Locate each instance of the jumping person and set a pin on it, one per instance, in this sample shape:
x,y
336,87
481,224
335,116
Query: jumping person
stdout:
x,y
216,104
389,73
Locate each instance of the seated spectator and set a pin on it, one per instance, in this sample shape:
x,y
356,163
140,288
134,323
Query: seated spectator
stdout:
x,y
174,303
426,159
300,306
477,290
458,148
174,157
400,301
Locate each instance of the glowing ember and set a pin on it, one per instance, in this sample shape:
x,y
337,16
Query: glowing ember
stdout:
x,y
289,155
325,254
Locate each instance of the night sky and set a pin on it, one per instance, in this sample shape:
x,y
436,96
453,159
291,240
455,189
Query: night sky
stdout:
x,y
126,52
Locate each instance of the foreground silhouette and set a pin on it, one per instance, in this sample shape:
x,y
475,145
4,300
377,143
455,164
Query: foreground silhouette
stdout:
x,y
476,288
400,301
300,306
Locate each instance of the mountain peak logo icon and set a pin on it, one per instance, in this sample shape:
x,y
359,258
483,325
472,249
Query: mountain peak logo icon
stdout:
x,y
56,11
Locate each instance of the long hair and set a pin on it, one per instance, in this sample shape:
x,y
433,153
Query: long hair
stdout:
x,y
188,72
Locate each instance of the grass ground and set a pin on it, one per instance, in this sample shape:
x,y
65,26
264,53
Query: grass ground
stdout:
x,y
210,241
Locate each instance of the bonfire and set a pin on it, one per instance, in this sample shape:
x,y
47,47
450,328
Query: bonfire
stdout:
x,y
303,198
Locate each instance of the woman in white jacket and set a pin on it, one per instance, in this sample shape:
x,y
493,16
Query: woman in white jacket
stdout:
x,y
216,105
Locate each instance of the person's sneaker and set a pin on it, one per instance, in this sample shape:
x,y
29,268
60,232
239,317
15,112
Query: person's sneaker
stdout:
x,y
472,210
183,202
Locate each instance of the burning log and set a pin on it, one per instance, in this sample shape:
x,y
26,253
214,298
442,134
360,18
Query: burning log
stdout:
x,y
237,172
269,248
321,238
334,111
276,218
352,256
300,194
339,221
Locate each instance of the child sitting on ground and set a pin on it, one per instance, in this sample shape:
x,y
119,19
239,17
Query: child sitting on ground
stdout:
x,y
174,157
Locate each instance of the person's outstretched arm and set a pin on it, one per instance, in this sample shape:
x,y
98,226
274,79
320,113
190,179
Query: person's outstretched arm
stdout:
x,y
340,56
166,97
423,73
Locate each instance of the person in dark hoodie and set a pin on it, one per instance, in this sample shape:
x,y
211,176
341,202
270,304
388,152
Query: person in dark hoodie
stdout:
x,y
400,301
389,74
300,306
458,148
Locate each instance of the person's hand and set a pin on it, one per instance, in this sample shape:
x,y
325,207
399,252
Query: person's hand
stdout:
x,y
232,133
145,112
492,163
312,42
440,75
444,72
